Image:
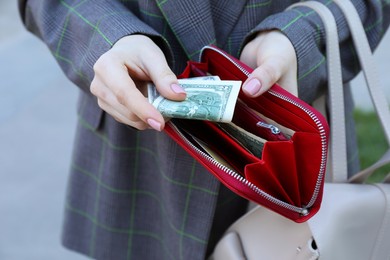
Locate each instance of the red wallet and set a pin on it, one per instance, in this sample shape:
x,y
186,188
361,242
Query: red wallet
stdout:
x,y
273,154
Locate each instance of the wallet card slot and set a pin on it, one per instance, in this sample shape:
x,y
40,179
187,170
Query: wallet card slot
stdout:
x,y
204,147
219,142
278,176
255,123
304,144
223,73
249,141
194,141
275,111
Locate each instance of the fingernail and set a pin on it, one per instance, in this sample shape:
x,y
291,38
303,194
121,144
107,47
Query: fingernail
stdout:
x,y
177,89
252,87
154,124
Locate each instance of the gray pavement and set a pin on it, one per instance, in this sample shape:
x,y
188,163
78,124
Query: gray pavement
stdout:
x,y
37,119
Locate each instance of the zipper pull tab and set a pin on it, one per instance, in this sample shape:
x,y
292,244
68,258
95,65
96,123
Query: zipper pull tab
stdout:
x,y
273,128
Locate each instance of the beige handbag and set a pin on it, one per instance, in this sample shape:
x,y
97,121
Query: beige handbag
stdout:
x,y
263,234
354,219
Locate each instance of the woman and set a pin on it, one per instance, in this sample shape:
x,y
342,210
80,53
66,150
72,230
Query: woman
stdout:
x,y
136,194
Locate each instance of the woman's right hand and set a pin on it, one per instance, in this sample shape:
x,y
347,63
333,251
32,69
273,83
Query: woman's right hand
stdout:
x,y
120,76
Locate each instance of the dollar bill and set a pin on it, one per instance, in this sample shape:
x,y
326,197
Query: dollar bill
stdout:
x,y
205,78
211,99
251,142
153,93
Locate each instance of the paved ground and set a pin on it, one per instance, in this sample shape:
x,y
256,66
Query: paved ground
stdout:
x,y
37,118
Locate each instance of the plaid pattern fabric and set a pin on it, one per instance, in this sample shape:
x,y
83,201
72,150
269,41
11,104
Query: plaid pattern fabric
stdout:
x,y
136,194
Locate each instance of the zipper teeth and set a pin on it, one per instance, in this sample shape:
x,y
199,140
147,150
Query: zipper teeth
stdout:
x,y
323,143
312,116
242,69
238,177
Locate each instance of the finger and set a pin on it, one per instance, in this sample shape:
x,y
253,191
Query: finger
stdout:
x,y
109,100
118,116
289,82
108,103
263,77
116,78
247,56
106,97
162,76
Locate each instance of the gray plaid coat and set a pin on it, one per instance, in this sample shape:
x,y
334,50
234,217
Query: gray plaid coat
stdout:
x,y
136,194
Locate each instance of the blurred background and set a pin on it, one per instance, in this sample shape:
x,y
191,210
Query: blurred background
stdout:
x,y
37,121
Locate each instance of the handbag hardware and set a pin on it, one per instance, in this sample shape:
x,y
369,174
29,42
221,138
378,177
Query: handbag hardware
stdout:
x,y
304,210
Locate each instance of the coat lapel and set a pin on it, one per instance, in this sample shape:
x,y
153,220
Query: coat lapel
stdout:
x,y
192,23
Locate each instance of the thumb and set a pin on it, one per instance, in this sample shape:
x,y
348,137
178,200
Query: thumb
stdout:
x,y
262,78
167,84
271,71
164,79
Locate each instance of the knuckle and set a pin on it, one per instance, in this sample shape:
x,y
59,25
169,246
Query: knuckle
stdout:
x,y
103,62
271,73
98,91
99,64
132,117
167,73
93,87
121,96
118,119
164,78
139,125
101,104
142,126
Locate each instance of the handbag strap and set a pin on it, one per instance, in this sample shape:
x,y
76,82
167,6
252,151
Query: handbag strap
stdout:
x,y
336,94
338,137
377,94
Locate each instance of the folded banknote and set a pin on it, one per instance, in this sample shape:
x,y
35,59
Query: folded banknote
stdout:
x,y
208,98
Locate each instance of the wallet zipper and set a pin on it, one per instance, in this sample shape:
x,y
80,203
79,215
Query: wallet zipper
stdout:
x,y
272,128
301,210
322,132
238,177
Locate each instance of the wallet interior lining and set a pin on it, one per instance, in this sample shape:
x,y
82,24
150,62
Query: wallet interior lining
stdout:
x,y
217,140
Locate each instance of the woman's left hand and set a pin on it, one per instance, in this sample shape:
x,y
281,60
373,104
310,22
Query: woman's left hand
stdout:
x,y
273,58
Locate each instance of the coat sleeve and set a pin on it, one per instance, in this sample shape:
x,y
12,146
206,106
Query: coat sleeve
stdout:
x,y
305,30
79,32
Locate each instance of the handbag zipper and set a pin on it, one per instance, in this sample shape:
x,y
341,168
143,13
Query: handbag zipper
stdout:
x,y
301,210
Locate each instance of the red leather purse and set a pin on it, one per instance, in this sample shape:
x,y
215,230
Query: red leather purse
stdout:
x,y
288,174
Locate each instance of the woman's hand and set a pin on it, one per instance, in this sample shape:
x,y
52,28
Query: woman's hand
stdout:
x,y
273,58
120,81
